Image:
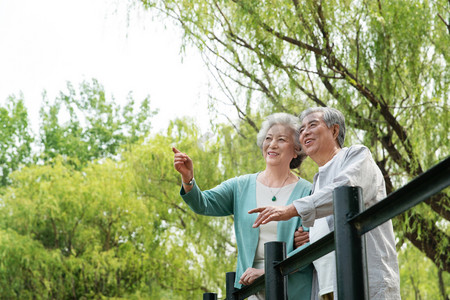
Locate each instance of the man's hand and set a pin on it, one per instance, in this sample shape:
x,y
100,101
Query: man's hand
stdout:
x,y
301,237
250,275
273,213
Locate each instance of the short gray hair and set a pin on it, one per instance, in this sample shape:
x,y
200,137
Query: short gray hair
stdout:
x,y
290,122
331,116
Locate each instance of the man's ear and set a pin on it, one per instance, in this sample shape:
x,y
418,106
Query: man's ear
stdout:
x,y
335,131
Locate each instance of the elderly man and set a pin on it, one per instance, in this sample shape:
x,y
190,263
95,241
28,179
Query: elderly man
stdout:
x,y
322,134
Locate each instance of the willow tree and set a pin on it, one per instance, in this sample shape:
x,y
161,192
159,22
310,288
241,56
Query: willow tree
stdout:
x,y
383,63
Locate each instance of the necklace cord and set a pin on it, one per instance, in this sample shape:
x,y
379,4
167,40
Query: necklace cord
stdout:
x,y
274,198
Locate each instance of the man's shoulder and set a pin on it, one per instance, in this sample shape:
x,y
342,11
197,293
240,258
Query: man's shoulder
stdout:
x,y
356,150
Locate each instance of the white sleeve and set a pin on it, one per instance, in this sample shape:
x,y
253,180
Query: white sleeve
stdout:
x,y
357,169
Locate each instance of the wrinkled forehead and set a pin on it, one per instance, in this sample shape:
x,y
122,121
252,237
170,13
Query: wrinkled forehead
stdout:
x,y
315,116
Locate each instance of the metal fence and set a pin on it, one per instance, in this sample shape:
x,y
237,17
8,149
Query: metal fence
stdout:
x,y
346,239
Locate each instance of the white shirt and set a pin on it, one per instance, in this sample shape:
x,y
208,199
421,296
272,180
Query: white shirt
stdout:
x,y
324,266
268,232
354,166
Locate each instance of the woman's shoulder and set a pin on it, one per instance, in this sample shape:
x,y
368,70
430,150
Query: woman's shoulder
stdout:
x,y
301,189
246,178
303,182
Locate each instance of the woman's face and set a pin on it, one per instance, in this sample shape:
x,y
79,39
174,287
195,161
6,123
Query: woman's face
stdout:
x,y
278,146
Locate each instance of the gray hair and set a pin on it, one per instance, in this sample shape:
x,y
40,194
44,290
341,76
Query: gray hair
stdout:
x,y
330,116
290,122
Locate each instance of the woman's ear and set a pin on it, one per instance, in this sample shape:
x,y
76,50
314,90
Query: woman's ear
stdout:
x,y
296,151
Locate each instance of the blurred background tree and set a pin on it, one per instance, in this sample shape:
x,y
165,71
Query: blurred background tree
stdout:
x,y
85,125
111,224
15,137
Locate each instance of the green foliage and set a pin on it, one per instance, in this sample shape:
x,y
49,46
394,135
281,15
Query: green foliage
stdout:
x,y
15,138
419,276
114,228
383,63
28,270
100,216
194,243
83,126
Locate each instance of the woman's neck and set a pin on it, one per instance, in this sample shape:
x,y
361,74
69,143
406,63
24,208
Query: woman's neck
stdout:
x,y
276,177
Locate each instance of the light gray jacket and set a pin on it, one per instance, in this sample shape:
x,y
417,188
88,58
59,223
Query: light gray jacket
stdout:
x,y
354,166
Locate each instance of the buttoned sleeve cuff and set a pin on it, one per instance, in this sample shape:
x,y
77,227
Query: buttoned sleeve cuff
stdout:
x,y
306,210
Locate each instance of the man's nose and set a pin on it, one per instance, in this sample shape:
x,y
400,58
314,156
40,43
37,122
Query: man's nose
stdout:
x,y
306,131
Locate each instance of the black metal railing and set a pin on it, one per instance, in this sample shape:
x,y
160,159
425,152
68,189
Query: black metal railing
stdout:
x,y
350,225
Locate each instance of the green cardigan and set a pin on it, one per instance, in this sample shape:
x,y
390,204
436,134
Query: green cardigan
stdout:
x,y
236,197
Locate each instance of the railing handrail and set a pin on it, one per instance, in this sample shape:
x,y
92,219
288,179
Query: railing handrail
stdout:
x,y
414,192
314,251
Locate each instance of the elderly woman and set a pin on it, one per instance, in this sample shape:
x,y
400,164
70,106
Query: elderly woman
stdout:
x,y
322,135
276,185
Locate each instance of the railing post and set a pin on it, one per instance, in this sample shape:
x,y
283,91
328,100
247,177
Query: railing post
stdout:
x,y
349,259
276,283
209,296
230,278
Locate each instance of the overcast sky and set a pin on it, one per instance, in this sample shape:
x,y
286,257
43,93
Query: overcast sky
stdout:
x,y
45,43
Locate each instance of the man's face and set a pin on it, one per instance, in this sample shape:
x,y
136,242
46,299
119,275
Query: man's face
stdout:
x,y
316,138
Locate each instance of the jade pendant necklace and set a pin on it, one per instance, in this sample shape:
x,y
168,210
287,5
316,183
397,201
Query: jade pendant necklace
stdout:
x,y
274,198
